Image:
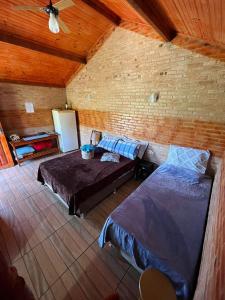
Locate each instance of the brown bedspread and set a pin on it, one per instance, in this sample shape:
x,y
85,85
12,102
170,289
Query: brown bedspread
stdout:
x,y
75,179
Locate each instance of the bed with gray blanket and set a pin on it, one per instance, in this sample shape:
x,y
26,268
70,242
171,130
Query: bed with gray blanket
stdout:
x,y
161,225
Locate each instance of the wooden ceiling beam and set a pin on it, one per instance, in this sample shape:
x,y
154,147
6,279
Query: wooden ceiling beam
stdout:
x,y
153,14
32,82
104,10
207,48
11,39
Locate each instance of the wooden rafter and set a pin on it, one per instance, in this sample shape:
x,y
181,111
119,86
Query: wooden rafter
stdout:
x,y
104,10
153,14
10,39
31,82
208,48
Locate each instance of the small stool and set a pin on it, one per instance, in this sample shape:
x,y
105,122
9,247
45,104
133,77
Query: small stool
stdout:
x,y
153,285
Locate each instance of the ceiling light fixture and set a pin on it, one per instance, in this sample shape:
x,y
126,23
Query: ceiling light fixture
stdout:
x,y
53,13
53,23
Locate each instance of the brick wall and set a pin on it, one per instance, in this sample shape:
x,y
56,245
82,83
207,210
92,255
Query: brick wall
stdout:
x,y
13,116
111,93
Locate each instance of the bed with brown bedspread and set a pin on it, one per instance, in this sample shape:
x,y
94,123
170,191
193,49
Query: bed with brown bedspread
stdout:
x,y
77,180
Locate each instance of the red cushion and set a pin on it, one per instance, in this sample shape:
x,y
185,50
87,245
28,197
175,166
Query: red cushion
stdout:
x,y
42,145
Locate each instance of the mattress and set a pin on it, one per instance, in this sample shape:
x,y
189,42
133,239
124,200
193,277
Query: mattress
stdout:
x,y
161,225
75,179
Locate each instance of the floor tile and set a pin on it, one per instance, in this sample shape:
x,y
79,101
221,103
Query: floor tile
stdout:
x,y
85,282
36,275
48,269
10,242
94,275
22,271
48,296
62,250
72,286
66,238
58,254
59,291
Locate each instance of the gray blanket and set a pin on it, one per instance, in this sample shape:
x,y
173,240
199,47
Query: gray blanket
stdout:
x,y
161,225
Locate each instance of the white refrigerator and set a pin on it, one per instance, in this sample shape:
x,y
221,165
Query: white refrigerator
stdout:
x,y
66,127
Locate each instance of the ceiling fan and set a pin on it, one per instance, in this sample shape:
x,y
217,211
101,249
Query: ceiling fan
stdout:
x,y
55,23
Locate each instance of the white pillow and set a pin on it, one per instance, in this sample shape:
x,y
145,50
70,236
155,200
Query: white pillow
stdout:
x,y
113,157
189,158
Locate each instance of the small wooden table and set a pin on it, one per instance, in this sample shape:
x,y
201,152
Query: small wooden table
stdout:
x,y
21,142
144,169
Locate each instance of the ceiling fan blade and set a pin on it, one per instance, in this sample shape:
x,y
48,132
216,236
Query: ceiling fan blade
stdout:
x,y
25,7
63,26
63,4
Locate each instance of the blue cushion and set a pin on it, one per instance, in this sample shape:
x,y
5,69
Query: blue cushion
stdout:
x,y
127,149
108,144
188,158
24,150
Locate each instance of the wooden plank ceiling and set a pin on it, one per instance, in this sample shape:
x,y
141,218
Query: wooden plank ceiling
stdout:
x,y
30,53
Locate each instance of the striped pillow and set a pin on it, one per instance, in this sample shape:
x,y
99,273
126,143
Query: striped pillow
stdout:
x,y
127,149
108,144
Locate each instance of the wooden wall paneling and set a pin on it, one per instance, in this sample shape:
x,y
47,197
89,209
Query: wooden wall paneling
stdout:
x,y
215,50
197,18
215,15
124,10
104,10
85,23
21,65
140,28
153,13
3,159
5,155
91,20
18,41
30,82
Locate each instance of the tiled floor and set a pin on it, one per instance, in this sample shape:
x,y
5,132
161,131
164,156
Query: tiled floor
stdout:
x,y
58,254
